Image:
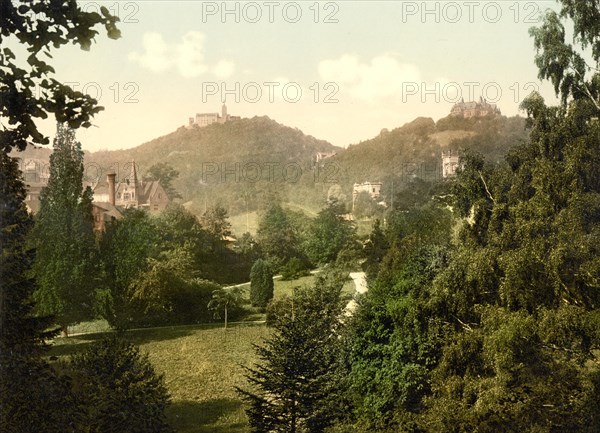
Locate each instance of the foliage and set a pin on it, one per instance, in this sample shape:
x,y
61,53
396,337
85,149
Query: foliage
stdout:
x,y
165,174
365,206
39,27
227,300
294,269
330,232
274,231
119,389
261,284
296,387
215,222
63,236
125,250
32,396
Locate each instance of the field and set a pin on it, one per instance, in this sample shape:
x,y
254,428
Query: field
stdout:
x,y
201,364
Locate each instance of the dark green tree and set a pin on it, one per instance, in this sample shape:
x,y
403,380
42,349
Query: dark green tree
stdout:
x,y
32,396
296,386
119,389
261,284
125,249
277,237
164,173
329,233
39,28
65,267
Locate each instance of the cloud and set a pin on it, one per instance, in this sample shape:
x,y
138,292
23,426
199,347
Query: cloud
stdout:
x,y
155,56
185,56
224,69
384,76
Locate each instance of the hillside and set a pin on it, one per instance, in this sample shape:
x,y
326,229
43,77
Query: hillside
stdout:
x,y
414,150
245,164
240,164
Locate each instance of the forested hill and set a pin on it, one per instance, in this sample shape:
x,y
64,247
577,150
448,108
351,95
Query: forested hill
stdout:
x,y
245,164
240,164
414,150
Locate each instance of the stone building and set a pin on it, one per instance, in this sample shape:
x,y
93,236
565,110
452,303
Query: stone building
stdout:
x,y
204,119
450,163
471,109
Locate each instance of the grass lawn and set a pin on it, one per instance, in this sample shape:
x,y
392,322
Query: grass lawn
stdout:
x,y
201,366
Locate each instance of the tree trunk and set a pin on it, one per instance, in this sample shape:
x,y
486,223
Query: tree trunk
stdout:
x,y
64,331
225,317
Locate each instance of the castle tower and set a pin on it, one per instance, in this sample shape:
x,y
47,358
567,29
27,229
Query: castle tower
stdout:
x,y
224,113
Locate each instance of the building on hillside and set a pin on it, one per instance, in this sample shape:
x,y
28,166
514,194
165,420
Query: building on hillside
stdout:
x,y
450,163
471,109
204,119
133,193
320,156
373,188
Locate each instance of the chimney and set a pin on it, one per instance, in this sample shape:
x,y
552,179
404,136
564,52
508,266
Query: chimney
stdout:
x,y
111,187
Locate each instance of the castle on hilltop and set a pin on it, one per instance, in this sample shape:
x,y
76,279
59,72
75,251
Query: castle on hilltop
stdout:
x,y
474,109
204,119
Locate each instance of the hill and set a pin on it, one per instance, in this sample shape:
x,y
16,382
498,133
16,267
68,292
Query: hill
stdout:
x,y
247,163
414,150
241,164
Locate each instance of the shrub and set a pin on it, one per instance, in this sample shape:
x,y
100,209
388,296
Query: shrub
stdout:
x,y
294,268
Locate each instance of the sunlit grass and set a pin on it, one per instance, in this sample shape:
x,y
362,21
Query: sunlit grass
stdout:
x,y
201,366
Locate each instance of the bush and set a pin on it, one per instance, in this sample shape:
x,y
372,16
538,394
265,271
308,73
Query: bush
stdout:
x,y
119,389
294,268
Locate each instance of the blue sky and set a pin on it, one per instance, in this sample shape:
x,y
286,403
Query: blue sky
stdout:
x,y
361,67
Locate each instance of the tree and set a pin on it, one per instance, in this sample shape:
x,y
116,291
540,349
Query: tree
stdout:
x,y
39,27
215,222
64,237
225,299
277,237
119,389
329,233
125,250
165,174
32,396
261,284
296,387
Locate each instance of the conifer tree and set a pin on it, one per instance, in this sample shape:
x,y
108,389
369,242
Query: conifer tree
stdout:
x,y
296,388
261,284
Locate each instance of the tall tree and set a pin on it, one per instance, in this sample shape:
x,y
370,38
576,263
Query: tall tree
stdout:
x,y
64,237
125,249
329,233
32,397
277,237
261,284
296,386
40,27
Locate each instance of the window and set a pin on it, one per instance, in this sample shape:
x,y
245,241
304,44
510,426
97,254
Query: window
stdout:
x,y
126,196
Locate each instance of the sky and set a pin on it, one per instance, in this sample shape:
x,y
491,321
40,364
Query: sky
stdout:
x,y
340,71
